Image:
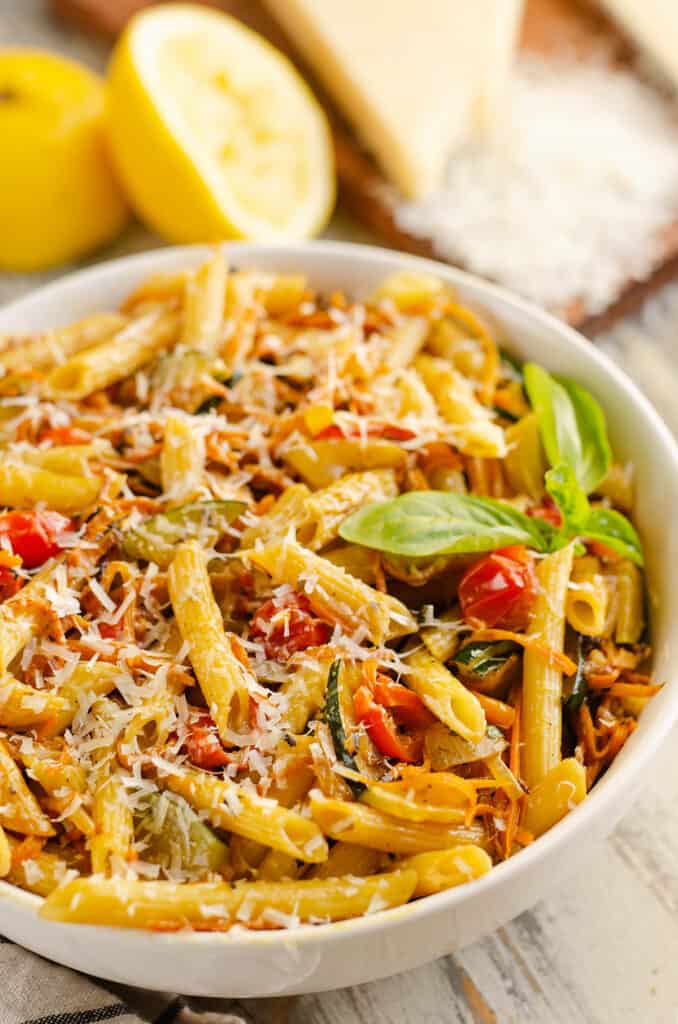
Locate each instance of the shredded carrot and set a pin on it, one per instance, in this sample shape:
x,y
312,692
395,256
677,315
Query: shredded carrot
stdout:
x,y
479,331
602,680
28,849
556,658
496,711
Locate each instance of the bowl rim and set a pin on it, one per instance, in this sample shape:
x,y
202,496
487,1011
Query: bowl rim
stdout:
x,y
647,740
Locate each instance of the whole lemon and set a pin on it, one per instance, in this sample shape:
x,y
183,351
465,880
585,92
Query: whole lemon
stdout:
x,y
58,196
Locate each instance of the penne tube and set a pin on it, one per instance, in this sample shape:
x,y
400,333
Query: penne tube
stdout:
x,y
560,790
5,854
443,869
542,679
223,678
72,459
51,347
24,707
474,432
19,809
63,780
113,360
321,463
23,617
586,604
182,461
356,823
445,696
630,601
111,844
85,683
525,464
409,290
288,512
24,486
423,796
333,593
216,905
442,640
304,689
325,509
40,873
347,859
235,809
204,297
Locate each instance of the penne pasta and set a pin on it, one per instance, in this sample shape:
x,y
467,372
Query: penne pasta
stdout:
x,y
322,463
366,826
559,791
19,810
542,680
223,678
474,432
182,461
52,347
113,360
205,294
128,904
23,486
325,509
445,696
111,841
444,869
630,621
231,807
333,592
586,604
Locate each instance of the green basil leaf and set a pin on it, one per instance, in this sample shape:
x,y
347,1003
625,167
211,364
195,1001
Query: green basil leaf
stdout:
x,y
561,484
615,531
421,524
571,425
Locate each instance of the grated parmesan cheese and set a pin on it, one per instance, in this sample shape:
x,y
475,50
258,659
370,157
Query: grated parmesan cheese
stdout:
x,y
575,203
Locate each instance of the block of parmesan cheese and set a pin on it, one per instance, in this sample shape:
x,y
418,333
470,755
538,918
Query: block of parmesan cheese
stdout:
x,y
653,25
413,77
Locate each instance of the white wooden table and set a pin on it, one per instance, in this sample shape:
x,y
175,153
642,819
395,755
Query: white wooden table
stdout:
x,y
603,949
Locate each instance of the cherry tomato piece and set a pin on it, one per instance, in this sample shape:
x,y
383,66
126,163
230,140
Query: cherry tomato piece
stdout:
x,y
34,536
383,731
65,435
548,511
287,625
499,589
390,431
203,745
405,705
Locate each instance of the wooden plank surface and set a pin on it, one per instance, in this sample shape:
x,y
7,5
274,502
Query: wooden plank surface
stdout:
x,y
549,26
603,947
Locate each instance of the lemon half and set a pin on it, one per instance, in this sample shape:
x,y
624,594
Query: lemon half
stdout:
x,y
58,196
214,132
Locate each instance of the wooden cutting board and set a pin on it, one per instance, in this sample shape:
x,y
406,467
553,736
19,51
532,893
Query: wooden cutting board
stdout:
x,y
549,26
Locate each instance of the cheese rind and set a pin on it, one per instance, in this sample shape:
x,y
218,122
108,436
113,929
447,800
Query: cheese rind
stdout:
x,y
413,78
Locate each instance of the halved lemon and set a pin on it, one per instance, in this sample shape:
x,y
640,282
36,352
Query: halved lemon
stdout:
x,y
214,133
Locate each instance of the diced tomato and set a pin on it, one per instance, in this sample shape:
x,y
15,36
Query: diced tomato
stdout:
x,y
288,624
389,431
203,745
499,589
65,435
383,730
112,630
10,583
405,705
34,535
548,511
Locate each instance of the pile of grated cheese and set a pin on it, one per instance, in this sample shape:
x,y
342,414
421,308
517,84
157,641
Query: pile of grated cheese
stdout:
x,y
572,204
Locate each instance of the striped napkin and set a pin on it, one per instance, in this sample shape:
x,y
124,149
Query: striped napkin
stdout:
x,y
35,991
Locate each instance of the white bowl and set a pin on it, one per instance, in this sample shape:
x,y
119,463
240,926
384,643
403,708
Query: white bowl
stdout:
x,y
330,956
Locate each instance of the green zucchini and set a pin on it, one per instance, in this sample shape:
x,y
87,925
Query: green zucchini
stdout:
x,y
487,665
176,837
580,688
156,538
335,715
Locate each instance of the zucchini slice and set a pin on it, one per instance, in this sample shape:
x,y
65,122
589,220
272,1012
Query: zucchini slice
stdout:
x,y
156,538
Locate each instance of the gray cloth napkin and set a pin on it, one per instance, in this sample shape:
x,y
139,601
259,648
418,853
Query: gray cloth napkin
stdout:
x,y
35,991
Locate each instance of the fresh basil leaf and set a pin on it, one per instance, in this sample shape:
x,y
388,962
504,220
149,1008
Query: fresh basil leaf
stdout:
x,y
421,524
615,531
571,425
561,484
